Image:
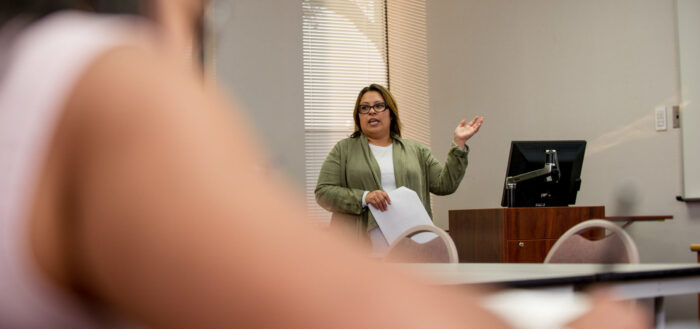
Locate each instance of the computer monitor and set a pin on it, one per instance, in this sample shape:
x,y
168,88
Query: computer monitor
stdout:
x,y
529,156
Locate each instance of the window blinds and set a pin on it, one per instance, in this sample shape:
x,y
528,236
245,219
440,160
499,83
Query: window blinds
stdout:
x,y
408,66
344,50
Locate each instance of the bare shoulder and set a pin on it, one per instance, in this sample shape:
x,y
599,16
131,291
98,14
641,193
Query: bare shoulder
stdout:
x,y
133,92
131,84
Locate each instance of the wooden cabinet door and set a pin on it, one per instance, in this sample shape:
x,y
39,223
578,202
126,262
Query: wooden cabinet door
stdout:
x,y
527,251
514,235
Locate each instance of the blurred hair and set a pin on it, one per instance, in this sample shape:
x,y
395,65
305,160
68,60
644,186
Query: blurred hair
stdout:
x,y
24,12
32,10
395,127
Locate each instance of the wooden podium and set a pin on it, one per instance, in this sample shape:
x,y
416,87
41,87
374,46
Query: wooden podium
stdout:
x,y
513,235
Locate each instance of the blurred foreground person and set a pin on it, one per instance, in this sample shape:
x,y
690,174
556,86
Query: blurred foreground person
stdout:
x,y
129,195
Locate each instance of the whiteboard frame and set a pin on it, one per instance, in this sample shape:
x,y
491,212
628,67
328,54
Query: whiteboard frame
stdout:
x,y
688,15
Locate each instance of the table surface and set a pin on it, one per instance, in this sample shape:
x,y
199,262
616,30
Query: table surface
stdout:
x,y
525,275
639,218
623,281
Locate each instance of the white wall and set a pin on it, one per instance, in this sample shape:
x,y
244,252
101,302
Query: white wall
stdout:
x,y
568,69
539,69
259,61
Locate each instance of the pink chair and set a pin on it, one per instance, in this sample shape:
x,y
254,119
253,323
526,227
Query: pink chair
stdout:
x,y
438,250
616,247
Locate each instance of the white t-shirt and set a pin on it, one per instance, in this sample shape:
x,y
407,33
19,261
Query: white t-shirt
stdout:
x,y
385,159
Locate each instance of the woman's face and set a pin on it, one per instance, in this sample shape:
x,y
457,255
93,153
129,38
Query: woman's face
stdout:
x,y
373,124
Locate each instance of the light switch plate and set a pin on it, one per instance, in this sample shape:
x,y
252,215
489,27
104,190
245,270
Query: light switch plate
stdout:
x,y
660,118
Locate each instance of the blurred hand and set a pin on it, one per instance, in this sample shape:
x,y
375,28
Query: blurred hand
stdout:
x,y
608,313
465,130
378,198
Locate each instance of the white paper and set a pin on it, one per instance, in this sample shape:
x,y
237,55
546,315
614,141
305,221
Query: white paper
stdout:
x,y
405,211
531,309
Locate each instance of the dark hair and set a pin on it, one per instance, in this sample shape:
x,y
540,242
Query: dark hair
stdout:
x,y
32,10
28,11
395,127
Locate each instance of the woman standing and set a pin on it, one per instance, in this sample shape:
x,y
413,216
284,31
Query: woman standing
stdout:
x,y
375,159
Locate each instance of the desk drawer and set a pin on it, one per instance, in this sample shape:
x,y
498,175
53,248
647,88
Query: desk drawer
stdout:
x,y
544,223
528,251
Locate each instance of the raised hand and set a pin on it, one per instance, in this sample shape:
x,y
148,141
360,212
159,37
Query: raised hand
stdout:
x,y
465,130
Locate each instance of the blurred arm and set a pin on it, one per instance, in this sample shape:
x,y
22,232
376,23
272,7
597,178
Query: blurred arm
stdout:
x,y
180,230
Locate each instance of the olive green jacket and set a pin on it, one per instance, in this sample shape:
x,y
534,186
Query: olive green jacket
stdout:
x,y
350,169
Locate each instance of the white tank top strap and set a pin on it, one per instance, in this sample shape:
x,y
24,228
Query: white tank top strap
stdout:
x,y
42,66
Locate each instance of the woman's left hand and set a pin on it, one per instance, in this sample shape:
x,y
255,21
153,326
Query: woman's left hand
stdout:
x,y
465,130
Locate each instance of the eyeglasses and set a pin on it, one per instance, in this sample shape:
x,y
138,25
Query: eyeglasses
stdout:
x,y
378,108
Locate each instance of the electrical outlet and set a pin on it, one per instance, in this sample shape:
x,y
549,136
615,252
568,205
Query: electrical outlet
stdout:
x,y
660,118
676,119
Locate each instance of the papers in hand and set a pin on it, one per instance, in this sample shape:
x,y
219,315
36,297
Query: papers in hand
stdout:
x,y
405,211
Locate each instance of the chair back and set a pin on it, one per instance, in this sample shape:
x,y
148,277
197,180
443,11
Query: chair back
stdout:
x,y
617,247
438,250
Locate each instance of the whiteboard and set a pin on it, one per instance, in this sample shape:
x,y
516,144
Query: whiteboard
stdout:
x,y
688,12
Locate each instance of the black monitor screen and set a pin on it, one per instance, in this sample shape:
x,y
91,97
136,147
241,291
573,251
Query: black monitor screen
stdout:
x,y
527,156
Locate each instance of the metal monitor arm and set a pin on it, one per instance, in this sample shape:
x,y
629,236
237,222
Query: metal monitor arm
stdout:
x,y
550,170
